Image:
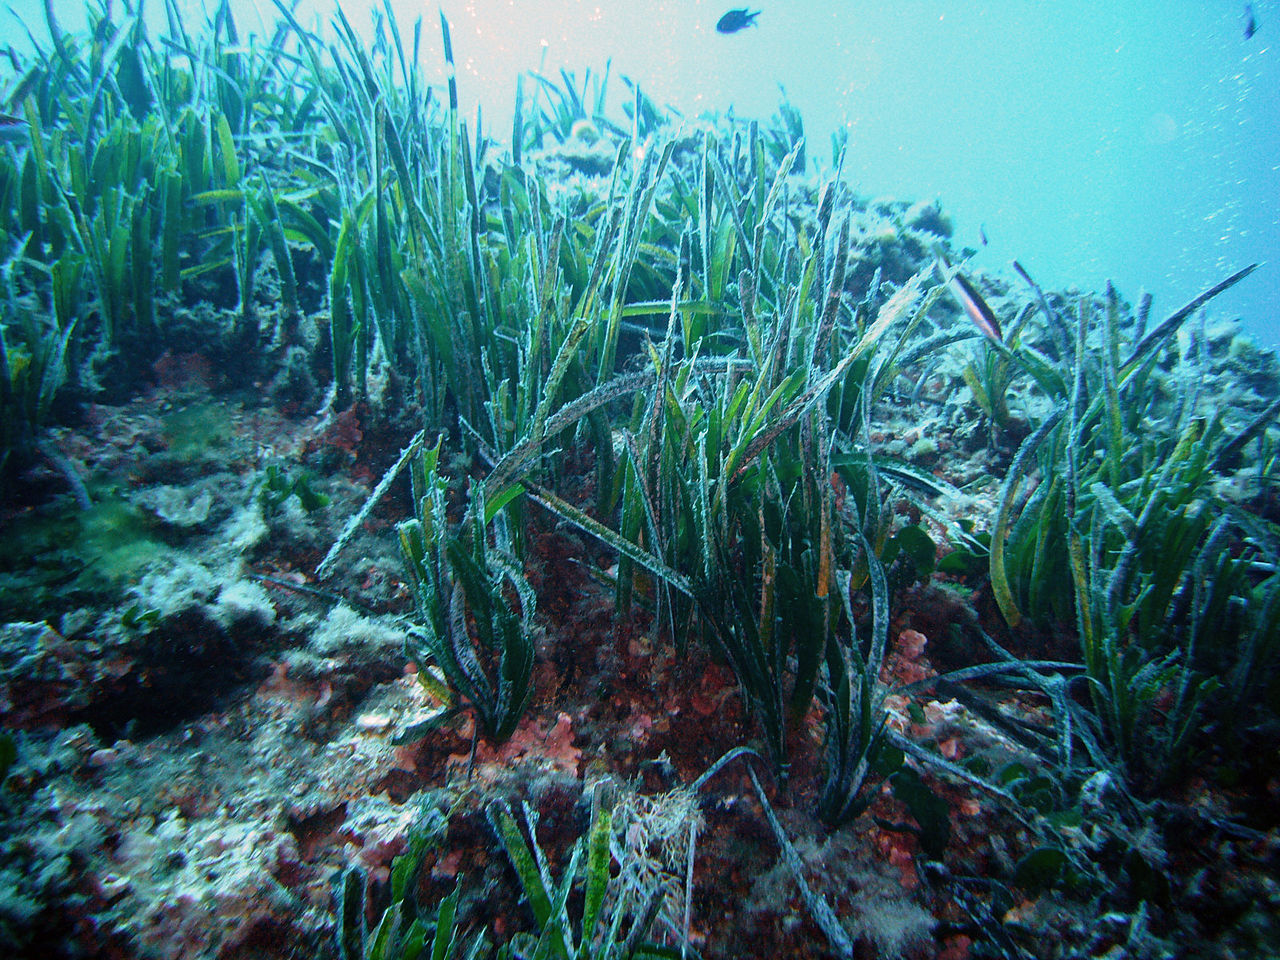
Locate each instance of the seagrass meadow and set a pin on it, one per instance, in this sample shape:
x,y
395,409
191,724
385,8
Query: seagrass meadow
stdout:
x,y
611,538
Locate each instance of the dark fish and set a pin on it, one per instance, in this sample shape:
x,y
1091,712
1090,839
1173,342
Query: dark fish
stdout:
x,y
983,317
1250,21
982,234
13,129
736,20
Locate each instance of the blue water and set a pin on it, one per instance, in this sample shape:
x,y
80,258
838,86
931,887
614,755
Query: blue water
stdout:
x,y
1091,139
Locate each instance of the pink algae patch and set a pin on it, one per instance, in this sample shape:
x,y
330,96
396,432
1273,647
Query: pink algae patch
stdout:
x,y
897,852
904,664
911,643
532,742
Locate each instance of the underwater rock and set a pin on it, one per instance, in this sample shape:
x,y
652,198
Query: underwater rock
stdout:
x,y
44,678
295,383
166,850
924,451
377,832
585,132
1221,335
176,587
217,891
183,371
294,532
242,602
1254,367
181,638
347,632
46,893
929,217
177,506
583,157
199,434
882,242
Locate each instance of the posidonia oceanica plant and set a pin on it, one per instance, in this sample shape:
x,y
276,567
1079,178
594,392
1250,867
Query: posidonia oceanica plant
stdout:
x,y
1123,533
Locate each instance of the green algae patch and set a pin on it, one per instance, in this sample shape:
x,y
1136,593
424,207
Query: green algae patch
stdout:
x,y
117,540
53,559
194,431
